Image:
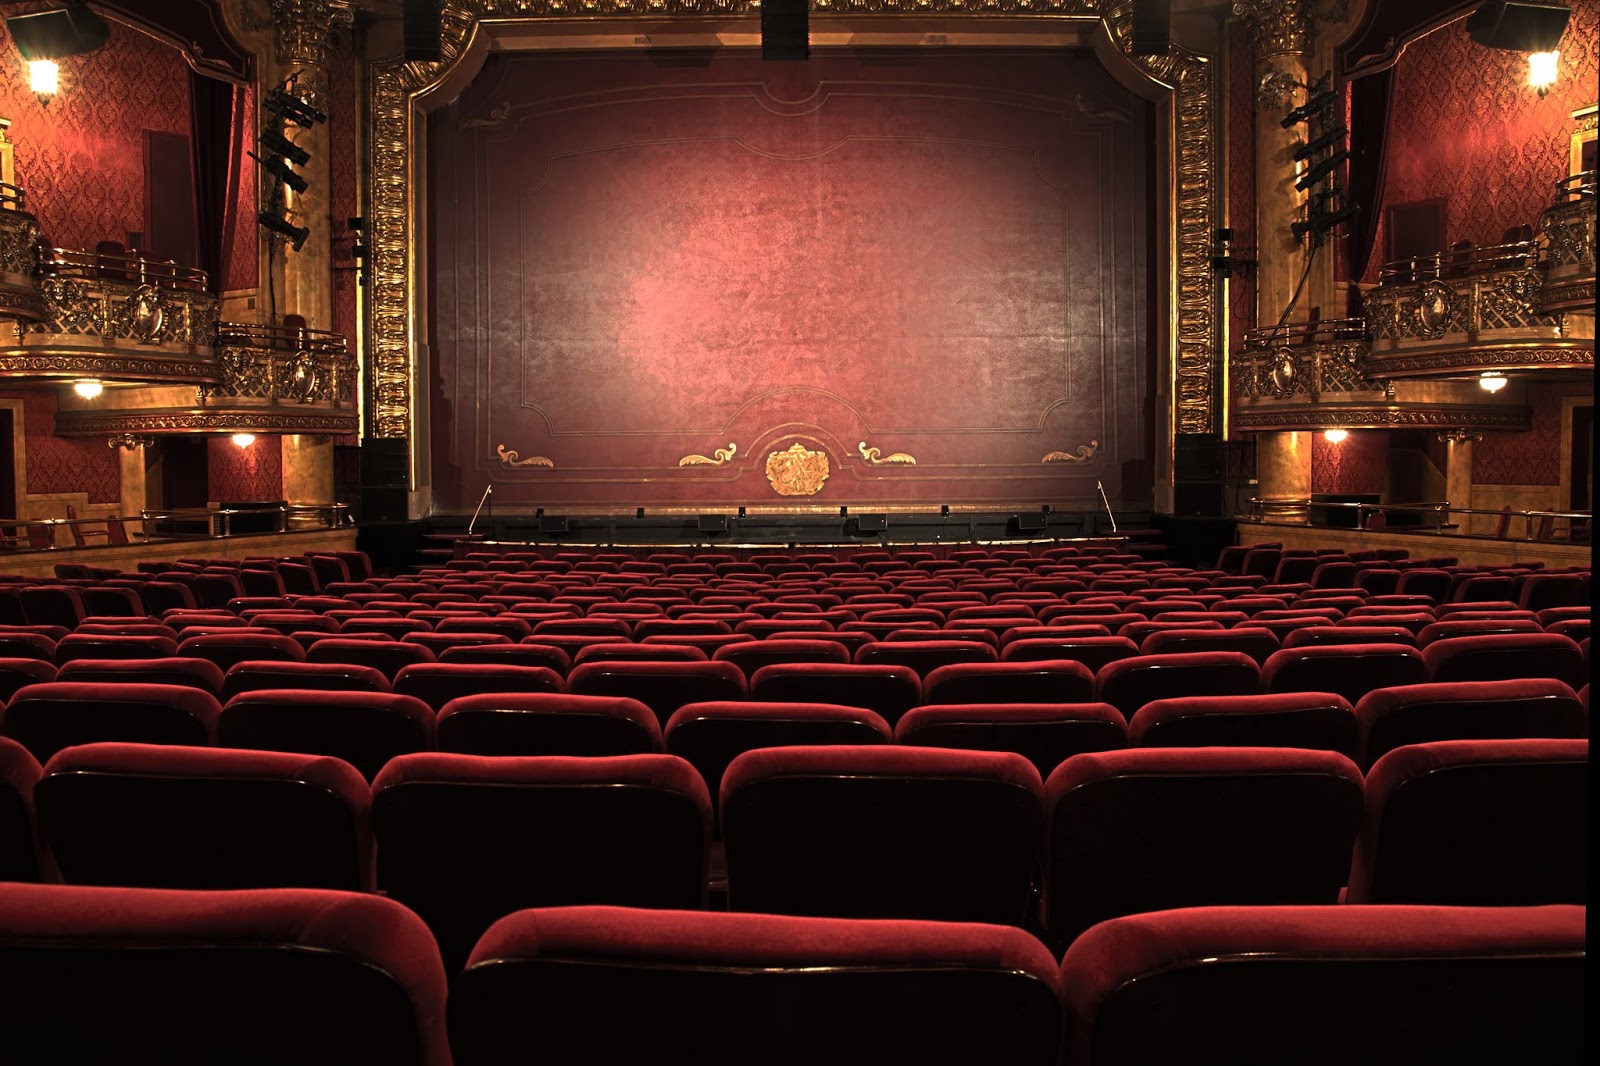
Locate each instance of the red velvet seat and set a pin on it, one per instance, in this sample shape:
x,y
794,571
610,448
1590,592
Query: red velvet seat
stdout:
x,y
1542,591
1337,984
438,683
388,657
513,629
663,687
1046,734
251,676
1467,710
1150,828
365,729
17,673
509,655
173,816
317,978
555,723
178,670
464,840
1059,681
1324,636
438,642
1425,581
620,651
925,656
19,852
21,644
1317,720
1129,684
1506,656
881,831
225,649
53,715
753,655
889,691
869,992
1092,652
1350,670
1475,823
1257,642
55,605
711,735
1474,627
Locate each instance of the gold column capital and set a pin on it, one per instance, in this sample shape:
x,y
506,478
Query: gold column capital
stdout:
x,y
1287,27
303,37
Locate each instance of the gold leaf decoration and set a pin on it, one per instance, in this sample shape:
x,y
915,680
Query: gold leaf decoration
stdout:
x,y
509,458
1083,454
722,455
876,457
797,471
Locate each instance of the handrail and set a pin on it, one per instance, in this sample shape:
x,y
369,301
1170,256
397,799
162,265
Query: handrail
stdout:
x,y
332,515
1313,331
12,197
1459,262
280,337
1579,186
133,269
1441,511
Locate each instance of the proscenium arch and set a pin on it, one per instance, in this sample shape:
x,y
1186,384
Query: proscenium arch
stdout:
x,y
1190,363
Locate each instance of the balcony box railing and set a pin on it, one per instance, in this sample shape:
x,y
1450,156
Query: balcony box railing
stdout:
x,y
19,235
1567,229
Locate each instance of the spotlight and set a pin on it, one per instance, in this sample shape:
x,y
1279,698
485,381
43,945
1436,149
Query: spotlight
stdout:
x,y
292,109
295,235
243,440
88,388
944,510
1334,436
278,144
741,511
638,512
844,512
1489,381
280,170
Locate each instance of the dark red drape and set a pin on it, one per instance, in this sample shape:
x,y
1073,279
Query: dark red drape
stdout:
x,y
212,108
1371,104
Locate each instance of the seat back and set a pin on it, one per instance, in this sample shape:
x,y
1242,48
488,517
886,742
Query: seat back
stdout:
x,y
607,984
316,978
436,684
661,686
1318,720
547,723
365,728
889,691
1391,718
1338,984
1046,734
19,853
1013,682
1129,684
48,717
1506,656
1348,670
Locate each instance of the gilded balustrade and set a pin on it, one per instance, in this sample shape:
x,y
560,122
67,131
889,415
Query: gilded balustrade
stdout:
x,y
1567,228
19,235
113,318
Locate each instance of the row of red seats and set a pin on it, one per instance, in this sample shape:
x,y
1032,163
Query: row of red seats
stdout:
x,y
830,830
324,978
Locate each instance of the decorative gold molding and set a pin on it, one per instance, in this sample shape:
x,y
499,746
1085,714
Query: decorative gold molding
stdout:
x,y
1083,454
130,441
1189,127
510,459
876,457
163,422
1383,416
797,470
723,455
1466,359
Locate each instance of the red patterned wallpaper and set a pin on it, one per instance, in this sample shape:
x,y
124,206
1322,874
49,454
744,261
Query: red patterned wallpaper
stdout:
x,y
81,158
58,464
1241,177
1359,463
235,474
1534,457
241,268
635,262
1468,129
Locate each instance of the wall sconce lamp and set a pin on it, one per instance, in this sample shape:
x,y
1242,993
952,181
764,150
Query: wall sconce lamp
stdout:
x,y
88,388
1542,71
46,37
1334,436
1491,382
243,440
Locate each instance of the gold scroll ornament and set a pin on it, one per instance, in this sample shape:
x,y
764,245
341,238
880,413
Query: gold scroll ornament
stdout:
x,y
509,458
797,471
1084,453
876,457
722,455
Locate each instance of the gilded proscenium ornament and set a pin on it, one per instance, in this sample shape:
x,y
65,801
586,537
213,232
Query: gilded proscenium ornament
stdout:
x,y
797,470
1279,27
1082,454
511,459
876,457
717,458
395,129
130,441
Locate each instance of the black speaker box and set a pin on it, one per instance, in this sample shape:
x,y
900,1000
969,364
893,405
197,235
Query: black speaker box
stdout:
x,y
785,29
713,523
383,503
385,462
421,30
1521,27
1152,27
867,525
1197,457
552,523
1027,525
1197,498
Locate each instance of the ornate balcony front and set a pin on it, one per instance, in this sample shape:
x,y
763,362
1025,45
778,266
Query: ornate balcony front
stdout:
x,y
1312,375
1470,310
19,236
1568,231
115,319
273,379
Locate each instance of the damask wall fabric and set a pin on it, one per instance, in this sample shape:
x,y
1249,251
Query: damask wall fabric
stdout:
x,y
1534,457
60,464
1359,463
236,474
1467,128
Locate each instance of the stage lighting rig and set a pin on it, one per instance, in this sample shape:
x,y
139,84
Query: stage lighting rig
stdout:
x,y
295,235
1323,152
279,156
279,169
291,109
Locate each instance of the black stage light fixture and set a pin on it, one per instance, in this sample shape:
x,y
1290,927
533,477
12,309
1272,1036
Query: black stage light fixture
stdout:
x,y
292,109
785,29
1321,170
844,512
1152,28
1519,26
295,235
280,170
638,512
421,31
1322,99
277,144
1327,140
944,510
64,31
741,512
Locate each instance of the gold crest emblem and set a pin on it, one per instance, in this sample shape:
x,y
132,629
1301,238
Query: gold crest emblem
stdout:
x,y
797,471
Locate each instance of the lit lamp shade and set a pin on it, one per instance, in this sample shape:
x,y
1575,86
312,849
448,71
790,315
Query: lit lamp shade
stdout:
x,y
1491,382
1334,436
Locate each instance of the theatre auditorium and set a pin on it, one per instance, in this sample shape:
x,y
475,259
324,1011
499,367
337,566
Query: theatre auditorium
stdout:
x,y
795,532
